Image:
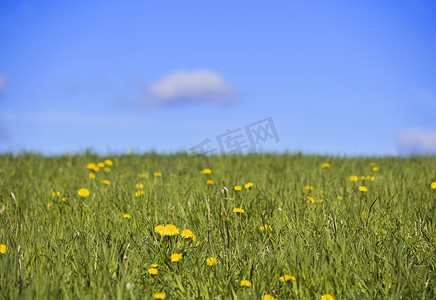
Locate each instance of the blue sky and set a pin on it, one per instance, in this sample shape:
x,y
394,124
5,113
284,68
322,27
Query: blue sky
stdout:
x,y
336,77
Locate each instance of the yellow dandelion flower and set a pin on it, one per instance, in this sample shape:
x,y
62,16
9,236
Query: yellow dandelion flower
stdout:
x,y
106,182
325,165
160,229
372,178
265,227
54,194
139,186
171,229
321,200
362,177
139,193
64,199
3,249
363,189
176,257
179,245
310,199
286,277
237,188
197,244
374,169
211,261
433,185
353,178
83,193
154,265
268,297
238,210
92,166
91,175
248,185
308,187
153,271
206,171
210,181
142,175
127,216
187,234
49,204
157,174
159,296
101,165
339,197
327,297
108,162
245,283
107,170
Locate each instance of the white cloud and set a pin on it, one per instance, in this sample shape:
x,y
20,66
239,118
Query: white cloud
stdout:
x,y
189,86
417,141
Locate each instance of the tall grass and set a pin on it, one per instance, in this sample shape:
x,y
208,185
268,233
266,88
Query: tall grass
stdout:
x,y
378,244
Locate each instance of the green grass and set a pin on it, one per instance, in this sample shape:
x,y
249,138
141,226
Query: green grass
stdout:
x,y
374,245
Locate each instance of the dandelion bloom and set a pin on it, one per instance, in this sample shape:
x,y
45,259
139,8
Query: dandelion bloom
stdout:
x,y
308,187
139,186
245,283
238,210
159,296
107,182
101,165
433,185
108,162
64,199
139,193
325,165
83,193
49,204
286,277
363,177
265,227
91,175
310,199
107,170
187,234
339,197
363,189
197,244
321,200
269,297
248,185
92,167
372,178
160,229
237,187
353,178
374,169
3,249
170,229
176,257
327,297
206,171
211,261
210,181
127,216
153,271
54,194
154,265
158,174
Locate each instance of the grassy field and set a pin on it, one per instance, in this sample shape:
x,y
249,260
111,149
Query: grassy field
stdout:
x,y
303,230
